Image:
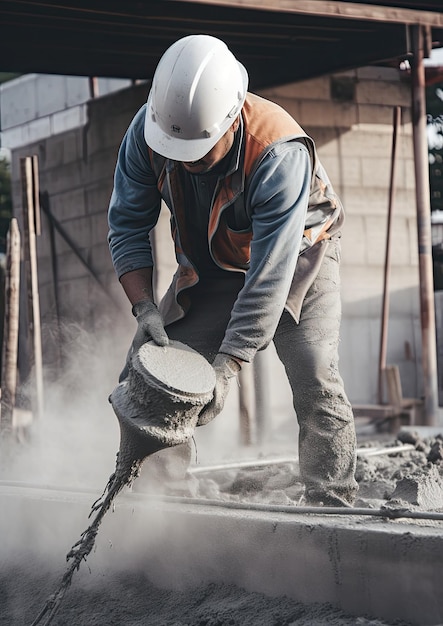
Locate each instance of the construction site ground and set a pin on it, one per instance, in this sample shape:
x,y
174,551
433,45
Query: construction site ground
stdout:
x,y
231,545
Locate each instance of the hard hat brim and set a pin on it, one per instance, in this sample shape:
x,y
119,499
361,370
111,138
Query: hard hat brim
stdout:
x,y
185,150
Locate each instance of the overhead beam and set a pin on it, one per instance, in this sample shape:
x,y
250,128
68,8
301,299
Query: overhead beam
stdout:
x,y
344,10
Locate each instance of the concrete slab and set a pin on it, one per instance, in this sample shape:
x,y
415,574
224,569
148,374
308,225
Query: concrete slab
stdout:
x,y
362,565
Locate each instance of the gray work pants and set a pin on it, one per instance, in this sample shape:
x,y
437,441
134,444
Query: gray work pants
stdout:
x,y
309,353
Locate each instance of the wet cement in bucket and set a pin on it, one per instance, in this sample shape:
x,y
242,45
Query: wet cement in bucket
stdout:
x,y
158,407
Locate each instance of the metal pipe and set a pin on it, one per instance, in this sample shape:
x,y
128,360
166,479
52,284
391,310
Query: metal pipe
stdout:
x,y
385,512
385,303
390,513
205,469
422,193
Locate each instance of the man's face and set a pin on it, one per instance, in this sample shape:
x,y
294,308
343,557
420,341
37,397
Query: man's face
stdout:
x,y
214,156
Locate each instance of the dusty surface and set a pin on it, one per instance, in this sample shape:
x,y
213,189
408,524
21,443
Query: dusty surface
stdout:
x,y
410,476
414,471
132,600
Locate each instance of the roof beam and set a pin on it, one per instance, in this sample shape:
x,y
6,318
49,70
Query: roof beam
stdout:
x,y
326,8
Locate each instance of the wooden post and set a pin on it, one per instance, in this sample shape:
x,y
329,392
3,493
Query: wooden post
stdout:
x,y
422,194
11,323
31,208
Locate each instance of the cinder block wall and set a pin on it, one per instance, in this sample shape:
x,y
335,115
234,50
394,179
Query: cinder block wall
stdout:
x,y
350,118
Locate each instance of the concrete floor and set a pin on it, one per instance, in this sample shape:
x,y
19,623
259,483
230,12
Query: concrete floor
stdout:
x,y
362,565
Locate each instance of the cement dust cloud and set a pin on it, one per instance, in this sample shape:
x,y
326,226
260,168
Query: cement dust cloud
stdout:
x,y
74,442
148,556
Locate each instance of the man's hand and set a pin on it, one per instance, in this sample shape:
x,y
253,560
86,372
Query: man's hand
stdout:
x,y
225,368
150,325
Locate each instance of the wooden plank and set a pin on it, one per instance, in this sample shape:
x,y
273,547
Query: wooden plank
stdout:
x,y
11,326
341,10
29,175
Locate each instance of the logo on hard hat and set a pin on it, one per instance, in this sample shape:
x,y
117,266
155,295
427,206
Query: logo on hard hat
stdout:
x,y
176,129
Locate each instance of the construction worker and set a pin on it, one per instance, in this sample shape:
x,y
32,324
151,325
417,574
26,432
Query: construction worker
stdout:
x,y
256,226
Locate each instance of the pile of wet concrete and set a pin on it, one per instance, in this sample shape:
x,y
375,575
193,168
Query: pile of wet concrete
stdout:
x,y
403,471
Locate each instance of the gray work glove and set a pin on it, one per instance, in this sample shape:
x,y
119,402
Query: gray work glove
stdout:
x,y
225,368
149,326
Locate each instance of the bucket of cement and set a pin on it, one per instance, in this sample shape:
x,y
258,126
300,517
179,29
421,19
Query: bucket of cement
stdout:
x,y
159,404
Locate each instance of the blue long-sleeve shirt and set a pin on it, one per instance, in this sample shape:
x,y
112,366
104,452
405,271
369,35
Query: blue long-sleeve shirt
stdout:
x,y
277,200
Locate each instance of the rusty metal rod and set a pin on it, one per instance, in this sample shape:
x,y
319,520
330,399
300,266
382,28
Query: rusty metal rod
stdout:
x,y
422,193
387,269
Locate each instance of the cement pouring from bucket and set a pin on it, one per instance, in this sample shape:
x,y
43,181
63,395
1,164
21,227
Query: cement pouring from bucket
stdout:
x,y
157,407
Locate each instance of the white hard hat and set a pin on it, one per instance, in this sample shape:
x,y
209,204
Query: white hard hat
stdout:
x,y
197,91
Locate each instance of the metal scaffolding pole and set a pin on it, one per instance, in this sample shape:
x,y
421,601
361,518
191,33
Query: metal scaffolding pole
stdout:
x,y
422,192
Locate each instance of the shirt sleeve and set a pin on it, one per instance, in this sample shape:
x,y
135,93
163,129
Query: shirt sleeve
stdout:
x,y
135,202
278,196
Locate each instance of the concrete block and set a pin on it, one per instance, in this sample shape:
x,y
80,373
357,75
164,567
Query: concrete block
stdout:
x,y
362,289
61,149
387,93
77,90
375,114
377,73
105,133
71,269
19,103
98,225
111,85
351,172
43,244
375,200
72,175
79,229
375,228
100,166
13,137
50,94
317,88
345,115
424,489
376,233
125,101
316,113
326,140
353,244
45,270
367,141
68,119
292,106
97,196
345,74
38,129
404,281
404,137
408,179
375,172
73,148
68,204
100,257
337,118
413,239
364,333
47,306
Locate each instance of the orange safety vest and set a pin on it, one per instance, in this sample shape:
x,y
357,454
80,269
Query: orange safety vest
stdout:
x,y
265,124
